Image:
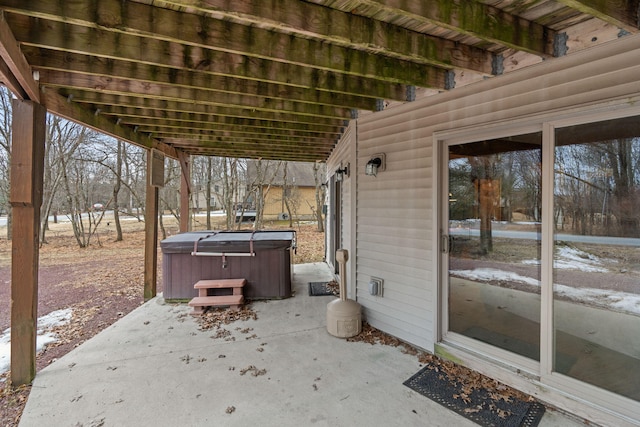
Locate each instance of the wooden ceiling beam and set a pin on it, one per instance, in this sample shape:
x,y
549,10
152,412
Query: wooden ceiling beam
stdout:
x,y
471,18
122,105
199,31
166,80
238,136
56,104
251,150
197,121
14,68
135,89
325,24
254,154
622,13
97,48
159,127
180,141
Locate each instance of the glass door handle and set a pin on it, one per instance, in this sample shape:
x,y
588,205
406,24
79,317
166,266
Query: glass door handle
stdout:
x,y
446,242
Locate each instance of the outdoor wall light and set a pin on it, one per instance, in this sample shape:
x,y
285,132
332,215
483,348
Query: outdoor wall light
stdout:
x,y
375,165
341,173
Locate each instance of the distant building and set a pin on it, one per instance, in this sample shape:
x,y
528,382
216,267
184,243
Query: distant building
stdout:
x,y
299,190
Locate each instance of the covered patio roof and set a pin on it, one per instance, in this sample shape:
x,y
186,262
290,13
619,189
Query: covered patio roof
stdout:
x,y
273,79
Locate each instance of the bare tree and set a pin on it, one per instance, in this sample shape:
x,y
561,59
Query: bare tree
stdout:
x,y
290,196
263,176
230,191
116,191
319,172
5,154
66,139
169,195
208,190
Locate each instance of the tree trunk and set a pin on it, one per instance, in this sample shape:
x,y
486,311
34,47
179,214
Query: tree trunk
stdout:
x,y
116,190
208,192
320,195
160,222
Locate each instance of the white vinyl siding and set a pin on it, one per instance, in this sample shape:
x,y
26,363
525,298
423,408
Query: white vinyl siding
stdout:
x,y
395,213
393,229
396,220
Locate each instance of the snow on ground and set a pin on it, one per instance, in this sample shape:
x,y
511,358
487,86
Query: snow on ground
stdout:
x,y
45,336
620,301
568,258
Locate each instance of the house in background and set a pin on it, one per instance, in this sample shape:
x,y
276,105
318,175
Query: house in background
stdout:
x,y
293,195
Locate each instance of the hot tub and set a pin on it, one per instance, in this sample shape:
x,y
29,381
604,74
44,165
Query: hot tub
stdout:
x,y
262,257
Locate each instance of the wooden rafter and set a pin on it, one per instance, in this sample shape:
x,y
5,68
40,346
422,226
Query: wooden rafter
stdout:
x,y
119,104
198,31
185,72
467,18
60,106
14,68
623,13
204,122
200,95
349,30
226,70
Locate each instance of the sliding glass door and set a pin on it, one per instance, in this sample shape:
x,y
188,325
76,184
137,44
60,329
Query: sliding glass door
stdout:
x,y
547,223
596,264
494,213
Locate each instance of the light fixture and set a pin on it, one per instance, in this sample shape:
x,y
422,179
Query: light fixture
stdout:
x,y
342,172
375,164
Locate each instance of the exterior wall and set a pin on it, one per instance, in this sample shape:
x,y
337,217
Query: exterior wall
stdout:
x,y
394,231
397,211
343,155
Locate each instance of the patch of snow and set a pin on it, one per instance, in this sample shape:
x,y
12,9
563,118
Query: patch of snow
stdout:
x,y
45,337
492,274
622,301
617,300
568,258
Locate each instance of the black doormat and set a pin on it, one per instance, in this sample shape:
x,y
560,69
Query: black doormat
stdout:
x,y
317,289
481,406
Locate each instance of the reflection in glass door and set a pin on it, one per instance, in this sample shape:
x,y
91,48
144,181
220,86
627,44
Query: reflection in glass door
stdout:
x,y
597,254
494,217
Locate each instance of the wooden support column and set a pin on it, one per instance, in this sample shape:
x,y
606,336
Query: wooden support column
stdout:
x,y
185,191
27,170
150,234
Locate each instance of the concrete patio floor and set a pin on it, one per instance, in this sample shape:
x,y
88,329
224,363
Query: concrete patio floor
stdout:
x,y
155,367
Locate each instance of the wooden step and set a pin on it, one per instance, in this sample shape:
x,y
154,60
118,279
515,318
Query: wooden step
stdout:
x,y
215,301
220,283
200,302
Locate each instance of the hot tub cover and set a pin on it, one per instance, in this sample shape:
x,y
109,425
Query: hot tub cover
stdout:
x,y
228,241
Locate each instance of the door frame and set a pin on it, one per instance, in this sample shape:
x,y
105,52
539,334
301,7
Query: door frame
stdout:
x,y
442,140
494,359
335,219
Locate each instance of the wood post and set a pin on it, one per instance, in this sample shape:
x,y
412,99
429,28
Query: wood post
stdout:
x,y
150,235
27,170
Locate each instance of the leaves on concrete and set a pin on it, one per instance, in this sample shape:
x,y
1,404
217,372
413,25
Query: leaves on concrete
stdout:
x,y
467,379
254,371
216,318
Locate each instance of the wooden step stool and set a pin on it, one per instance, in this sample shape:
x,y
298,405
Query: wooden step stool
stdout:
x,y
204,300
